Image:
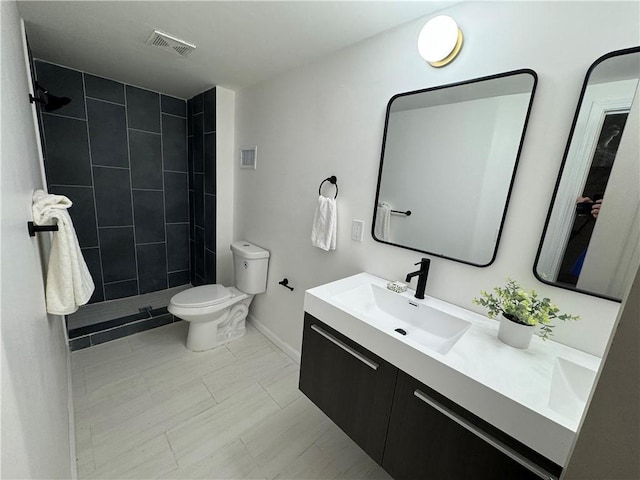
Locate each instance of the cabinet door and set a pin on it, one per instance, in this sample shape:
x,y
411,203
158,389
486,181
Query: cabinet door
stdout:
x,y
351,385
428,440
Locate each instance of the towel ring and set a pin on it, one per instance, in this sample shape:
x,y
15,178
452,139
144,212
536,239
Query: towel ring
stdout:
x,y
332,179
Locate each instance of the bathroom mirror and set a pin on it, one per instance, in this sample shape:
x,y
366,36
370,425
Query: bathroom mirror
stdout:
x,y
584,247
449,156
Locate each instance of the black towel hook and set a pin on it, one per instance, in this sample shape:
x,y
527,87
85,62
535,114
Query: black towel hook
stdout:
x,y
33,228
332,179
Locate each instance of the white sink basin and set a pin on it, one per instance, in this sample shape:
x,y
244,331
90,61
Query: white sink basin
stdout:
x,y
405,317
570,387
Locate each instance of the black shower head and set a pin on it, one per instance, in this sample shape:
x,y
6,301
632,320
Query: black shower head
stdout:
x,y
50,102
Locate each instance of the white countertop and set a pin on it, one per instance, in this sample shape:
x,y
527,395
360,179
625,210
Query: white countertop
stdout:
x,y
505,386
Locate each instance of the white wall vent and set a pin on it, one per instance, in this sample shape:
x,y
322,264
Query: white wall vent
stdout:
x,y
248,157
170,43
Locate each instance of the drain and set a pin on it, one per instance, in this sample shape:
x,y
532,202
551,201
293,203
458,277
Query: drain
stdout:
x,y
401,331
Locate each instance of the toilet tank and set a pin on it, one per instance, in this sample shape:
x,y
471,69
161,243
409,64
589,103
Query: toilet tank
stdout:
x,y
250,264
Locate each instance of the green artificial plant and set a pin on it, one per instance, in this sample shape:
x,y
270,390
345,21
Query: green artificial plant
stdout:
x,y
522,307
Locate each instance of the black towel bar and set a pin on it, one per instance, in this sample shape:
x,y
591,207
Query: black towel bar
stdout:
x,y
332,179
400,212
33,228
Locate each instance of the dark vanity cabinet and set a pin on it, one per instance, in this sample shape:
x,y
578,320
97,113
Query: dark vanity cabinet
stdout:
x,y
351,385
411,430
429,437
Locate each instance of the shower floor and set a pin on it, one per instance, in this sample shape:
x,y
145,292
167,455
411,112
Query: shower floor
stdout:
x,y
101,322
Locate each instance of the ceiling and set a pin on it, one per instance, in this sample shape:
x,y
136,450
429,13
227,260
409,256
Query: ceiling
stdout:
x,y
238,43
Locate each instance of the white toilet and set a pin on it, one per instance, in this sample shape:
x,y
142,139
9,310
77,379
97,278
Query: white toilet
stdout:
x,y
216,314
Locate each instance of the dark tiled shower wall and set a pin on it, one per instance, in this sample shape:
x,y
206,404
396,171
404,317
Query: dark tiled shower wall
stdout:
x,y
120,154
201,111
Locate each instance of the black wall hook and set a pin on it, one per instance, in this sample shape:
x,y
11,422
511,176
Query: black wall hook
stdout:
x,y
333,180
33,228
285,283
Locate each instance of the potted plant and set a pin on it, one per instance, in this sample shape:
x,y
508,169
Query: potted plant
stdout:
x,y
520,312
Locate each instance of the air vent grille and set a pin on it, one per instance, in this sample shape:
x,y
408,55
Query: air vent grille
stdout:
x,y
170,43
248,157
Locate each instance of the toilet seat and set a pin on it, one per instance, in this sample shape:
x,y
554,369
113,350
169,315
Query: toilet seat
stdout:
x,y
202,296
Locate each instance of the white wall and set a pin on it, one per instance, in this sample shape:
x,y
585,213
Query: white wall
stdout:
x,y
327,118
35,421
225,155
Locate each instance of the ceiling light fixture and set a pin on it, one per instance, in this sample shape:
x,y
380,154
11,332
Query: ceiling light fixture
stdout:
x,y
440,41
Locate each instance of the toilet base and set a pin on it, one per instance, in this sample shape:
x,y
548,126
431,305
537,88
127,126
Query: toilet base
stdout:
x,y
230,326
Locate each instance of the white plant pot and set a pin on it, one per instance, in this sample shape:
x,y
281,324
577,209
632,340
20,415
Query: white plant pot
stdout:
x,y
515,334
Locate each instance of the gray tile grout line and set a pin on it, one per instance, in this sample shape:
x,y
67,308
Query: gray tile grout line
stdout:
x,y
151,243
117,226
93,186
178,271
103,100
204,213
69,116
164,197
110,166
176,171
173,454
204,188
186,152
120,281
171,114
133,215
144,131
69,186
147,189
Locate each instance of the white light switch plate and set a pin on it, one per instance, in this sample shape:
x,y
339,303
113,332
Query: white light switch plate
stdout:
x,y
357,230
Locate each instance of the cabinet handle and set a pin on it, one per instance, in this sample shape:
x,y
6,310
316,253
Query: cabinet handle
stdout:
x,y
345,347
484,436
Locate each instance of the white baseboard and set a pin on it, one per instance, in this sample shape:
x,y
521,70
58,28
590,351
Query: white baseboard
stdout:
x,y
277,341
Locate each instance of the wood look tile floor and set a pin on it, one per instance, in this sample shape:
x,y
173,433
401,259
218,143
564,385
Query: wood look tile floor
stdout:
x,y
147,408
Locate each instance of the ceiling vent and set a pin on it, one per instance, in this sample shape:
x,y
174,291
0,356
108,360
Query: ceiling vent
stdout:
x,y
170,44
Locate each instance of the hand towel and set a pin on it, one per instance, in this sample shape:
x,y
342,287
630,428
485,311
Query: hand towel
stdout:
x,y
383,221
325,224
69,283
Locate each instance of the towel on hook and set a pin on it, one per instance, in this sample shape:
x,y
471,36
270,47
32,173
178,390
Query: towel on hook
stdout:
x,y
383,221
325,224
69,283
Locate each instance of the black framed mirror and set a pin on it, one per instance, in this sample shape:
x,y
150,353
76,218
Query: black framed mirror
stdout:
x,y
591,238
448,162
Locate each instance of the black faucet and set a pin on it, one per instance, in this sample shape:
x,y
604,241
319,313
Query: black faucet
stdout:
x,y
422,277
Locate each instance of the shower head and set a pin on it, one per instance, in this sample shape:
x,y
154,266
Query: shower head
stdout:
x,y
53,103
49,101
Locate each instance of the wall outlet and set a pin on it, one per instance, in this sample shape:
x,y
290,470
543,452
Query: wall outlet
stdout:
x,y
357,230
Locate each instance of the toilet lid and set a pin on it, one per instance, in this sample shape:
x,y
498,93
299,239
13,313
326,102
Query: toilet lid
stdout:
x,y
201,296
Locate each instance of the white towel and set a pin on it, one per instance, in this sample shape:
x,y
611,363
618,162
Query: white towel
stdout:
x,y
69,283
383,221
325,224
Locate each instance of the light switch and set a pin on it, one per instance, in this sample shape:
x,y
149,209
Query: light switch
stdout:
x,y
357,230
